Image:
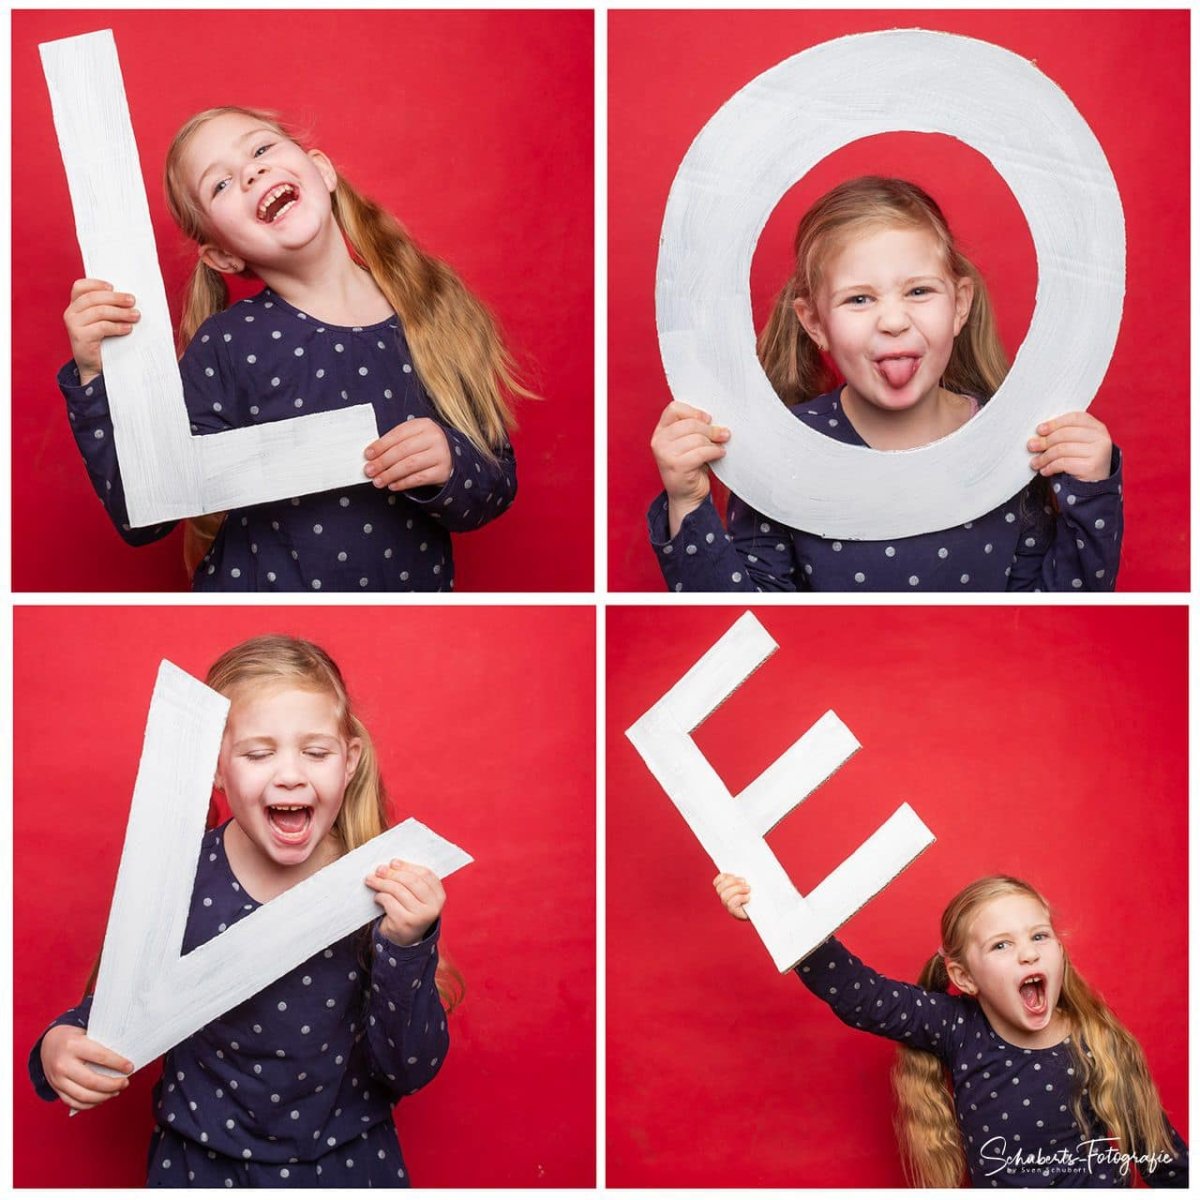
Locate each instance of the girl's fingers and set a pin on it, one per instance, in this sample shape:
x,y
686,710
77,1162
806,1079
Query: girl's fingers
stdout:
x,y
695,429
678,411
107,312
93,1052
384,472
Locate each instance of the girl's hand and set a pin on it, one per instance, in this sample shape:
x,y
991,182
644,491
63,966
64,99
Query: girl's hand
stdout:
x,y
96,311
685,441
411,898
412,454
67,1055
1076,443
734,892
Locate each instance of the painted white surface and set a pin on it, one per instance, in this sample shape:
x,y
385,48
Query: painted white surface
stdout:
x,y
148,996
732,828
168,473
765,139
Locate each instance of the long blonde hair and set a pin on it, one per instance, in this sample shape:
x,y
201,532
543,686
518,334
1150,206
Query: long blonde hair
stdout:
x,y
796,368
276,658
456,348
1108,1061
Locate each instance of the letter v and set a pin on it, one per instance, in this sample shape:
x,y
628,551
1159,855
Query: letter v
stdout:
x,y
149,997
167,473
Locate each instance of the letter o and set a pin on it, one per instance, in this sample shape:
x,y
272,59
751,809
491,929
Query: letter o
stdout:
x,y
766,138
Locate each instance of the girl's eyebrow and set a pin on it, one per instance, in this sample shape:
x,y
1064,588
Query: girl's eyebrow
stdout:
x,y
237,142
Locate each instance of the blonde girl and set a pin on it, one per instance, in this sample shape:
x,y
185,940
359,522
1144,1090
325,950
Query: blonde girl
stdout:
x,y
294,1087
884,337
351,311
1019,1077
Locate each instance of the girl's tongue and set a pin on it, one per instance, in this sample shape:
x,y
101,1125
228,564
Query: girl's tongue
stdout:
x,y
898,371
1033,996
291,822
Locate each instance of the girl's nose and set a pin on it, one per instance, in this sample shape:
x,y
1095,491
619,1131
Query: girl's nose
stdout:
x,y
288,772
252,172
893,317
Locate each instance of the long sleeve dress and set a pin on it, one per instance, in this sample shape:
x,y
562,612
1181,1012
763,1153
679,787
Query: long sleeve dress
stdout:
x,y
295,1086
263,360
1013,1105
1022,545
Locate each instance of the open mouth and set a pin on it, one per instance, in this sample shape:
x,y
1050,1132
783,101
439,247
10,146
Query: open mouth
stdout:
x,y
290,822
1033,994
277,201
898,369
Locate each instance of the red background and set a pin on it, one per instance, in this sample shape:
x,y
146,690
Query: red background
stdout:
x,y
1126,72
474,128
485,724
1050,744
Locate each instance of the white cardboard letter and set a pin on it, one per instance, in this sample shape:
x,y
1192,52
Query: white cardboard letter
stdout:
x,y
148,997
768,136
167,473
732,829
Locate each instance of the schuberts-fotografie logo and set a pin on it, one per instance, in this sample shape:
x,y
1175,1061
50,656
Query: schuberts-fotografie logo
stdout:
x,y
1095,1156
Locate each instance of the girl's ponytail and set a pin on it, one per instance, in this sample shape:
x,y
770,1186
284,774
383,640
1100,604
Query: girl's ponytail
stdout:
x,y
456,348
796,368
926,1124
204,295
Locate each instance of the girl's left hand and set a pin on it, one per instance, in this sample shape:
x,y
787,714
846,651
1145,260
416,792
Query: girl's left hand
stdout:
x,y
412,454
1076,444
411,898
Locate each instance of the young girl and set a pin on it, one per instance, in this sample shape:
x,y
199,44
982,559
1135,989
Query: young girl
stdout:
x,y
1022,1077
883,298
295,1086
351,311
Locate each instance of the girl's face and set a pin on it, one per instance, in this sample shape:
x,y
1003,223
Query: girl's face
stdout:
x,y
262,196
1012,963
284,766
888,312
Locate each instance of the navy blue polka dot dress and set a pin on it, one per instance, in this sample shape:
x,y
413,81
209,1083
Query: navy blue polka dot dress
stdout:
x,y
295,1086
1020,546
263,360
1013,1105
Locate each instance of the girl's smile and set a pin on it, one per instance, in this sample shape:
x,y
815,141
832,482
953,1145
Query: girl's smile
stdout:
x,y
284,766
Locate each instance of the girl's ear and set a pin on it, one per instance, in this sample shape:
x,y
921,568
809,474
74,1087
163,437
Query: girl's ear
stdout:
x,y
325,167
808,316
961,977
353,754
221,260
964,296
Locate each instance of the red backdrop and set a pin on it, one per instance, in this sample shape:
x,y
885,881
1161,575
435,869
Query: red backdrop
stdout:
x,y
485,724
1046,743
474,128
1126,72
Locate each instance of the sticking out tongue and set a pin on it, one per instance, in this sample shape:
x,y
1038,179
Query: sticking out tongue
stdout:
x,y
289,820
897,371
1033,996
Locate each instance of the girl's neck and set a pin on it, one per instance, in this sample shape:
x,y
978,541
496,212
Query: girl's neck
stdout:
x,y
329,285
933,417
260,877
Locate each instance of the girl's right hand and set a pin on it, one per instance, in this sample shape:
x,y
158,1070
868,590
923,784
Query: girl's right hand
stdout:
x,y
67,1055
734,892
685,441
96,311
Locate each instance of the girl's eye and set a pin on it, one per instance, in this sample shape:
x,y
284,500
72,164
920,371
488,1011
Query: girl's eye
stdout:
x,y
921,291
857,301
262,149
219,186
1040,936
319,755
258,755
999,945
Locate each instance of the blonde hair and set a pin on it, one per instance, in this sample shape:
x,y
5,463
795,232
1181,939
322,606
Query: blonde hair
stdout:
x,y
1109,1063
796,368
273,659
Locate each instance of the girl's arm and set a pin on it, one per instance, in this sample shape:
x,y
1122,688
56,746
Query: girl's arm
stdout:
x,y
1077,549
755,555
865,999
406,1024
479,488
